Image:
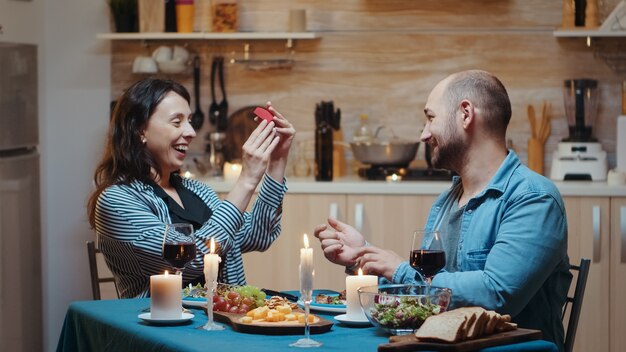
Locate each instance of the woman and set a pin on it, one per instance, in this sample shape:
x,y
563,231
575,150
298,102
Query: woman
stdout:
x,y
138,190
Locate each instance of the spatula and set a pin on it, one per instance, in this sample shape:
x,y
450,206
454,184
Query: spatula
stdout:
x,y
222,118
213,108
197,118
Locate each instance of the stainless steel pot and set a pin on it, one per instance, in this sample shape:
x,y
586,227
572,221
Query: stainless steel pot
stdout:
x,y
397,153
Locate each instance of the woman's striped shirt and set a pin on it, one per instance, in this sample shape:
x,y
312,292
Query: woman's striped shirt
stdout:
x,y
130,222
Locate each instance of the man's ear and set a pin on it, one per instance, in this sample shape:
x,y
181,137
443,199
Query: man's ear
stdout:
x,y
467,110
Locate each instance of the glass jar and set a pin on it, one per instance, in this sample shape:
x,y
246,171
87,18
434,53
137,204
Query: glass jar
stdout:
x,y
225,14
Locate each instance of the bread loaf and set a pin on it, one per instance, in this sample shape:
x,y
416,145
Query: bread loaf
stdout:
x,y
461,324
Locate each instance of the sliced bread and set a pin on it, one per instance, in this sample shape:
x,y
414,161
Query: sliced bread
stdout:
x,y
445,327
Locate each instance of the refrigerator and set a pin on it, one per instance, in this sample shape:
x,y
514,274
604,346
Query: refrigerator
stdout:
x,y
20,220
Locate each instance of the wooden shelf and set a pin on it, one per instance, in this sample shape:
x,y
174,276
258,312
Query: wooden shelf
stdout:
x,y
584,33
209,36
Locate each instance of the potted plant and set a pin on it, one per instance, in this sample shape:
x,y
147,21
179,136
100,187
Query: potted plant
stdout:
x,y
124,14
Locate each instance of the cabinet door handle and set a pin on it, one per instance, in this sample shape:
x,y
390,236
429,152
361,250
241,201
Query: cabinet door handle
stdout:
x,y
333,210
595,222
622,227
358,217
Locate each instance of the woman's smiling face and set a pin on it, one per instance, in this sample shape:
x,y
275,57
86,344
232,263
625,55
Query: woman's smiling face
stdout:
x,y
168,133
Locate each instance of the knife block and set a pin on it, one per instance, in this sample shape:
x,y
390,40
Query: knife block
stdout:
x,y
151,15
535,155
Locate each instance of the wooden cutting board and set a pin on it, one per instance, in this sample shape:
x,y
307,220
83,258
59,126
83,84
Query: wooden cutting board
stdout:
x,y
411,343
266,328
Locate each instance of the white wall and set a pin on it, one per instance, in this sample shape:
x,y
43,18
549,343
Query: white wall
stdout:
x,y
74,106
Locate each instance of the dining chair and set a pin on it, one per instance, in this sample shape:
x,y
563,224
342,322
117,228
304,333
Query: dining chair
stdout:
x,y
96,278
575,302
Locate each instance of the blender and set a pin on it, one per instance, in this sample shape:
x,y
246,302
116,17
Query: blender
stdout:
x,y
580,156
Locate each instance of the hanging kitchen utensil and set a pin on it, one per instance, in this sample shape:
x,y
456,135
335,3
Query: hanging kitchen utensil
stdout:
x,y
213,108
222,118
197,118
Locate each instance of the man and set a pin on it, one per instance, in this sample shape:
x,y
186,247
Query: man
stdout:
x,y
504,226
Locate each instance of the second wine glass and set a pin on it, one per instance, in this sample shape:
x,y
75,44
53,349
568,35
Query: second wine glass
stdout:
x,y
427,261
179,245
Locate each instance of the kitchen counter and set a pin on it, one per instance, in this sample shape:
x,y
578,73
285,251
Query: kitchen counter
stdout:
x,y
356,185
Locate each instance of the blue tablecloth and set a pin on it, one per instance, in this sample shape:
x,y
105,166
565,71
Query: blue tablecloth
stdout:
x,y
114,326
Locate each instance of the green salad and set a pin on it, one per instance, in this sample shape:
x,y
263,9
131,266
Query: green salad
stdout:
x,y
405,313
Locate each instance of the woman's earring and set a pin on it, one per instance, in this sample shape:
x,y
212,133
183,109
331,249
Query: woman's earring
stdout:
x,y
143,140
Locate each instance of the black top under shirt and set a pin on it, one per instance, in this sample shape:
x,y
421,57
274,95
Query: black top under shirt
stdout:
x,y
195,211
451,230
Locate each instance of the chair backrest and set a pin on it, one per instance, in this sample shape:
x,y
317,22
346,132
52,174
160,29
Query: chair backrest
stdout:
x,y
576,302
96,279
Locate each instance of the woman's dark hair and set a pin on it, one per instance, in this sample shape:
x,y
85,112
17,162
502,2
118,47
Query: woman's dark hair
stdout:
x,y
125,157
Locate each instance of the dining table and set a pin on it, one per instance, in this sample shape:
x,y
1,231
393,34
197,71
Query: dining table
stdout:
x,y
114,325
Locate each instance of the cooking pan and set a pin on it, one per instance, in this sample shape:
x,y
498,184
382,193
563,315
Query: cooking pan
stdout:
x,y
394,152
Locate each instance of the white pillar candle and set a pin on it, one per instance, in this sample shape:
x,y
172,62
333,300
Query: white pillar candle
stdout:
x,y
306,270
165,296
353,283
232,171
211,265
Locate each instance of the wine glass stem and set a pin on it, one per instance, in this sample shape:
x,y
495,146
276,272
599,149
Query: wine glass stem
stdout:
x,y
307,307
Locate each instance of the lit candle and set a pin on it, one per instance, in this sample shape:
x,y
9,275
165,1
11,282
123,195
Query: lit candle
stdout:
x,y
165,296
353,283
211,265
306,270
231,171
189,174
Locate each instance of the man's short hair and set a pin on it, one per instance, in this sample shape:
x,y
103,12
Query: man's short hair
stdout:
x,y
486,92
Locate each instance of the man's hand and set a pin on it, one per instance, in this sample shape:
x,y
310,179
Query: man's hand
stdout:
x,y
340,242
378,261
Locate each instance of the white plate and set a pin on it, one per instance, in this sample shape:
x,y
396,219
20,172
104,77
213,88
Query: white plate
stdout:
x,y
148,318
329,308
201,303
342,318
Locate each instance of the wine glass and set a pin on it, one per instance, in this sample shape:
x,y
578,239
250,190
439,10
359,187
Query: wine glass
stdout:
x,y
427,261
179,246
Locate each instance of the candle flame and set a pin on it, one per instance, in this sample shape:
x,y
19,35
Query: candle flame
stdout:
x,y
212,245
306,241
166,273
360,272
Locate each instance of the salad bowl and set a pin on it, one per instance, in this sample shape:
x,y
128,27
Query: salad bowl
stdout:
x,y
401,309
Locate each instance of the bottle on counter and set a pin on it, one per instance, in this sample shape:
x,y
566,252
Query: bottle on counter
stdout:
x,y
324,152
364,132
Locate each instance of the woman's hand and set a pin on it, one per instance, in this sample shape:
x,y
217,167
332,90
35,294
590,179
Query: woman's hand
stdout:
x,y
257,151
286,132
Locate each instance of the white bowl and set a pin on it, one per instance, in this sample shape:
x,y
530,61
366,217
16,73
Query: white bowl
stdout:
x,y
171,66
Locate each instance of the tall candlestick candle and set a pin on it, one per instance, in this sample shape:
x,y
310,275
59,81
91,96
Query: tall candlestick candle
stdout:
x,y
211,265
306,270
165,296
353,283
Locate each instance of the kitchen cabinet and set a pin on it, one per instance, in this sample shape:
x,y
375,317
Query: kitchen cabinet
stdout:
x,y
589,235
617,313
387,221
277,268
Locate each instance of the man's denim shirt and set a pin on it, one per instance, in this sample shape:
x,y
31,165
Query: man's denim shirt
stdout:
x,y
512,254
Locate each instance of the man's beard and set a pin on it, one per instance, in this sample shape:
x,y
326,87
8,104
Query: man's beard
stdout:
x,y
450,154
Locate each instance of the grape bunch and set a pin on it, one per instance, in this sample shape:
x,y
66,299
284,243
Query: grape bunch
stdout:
x,y
239,299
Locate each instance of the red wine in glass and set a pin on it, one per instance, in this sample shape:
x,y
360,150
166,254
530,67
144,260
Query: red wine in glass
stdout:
x,y
179,246
179,254
427,261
